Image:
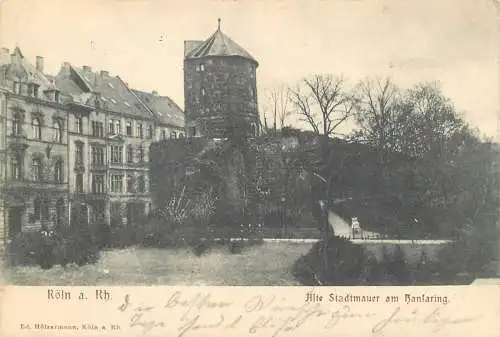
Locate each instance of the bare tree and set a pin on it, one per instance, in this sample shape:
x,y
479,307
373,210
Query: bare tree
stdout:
x,y
380,116
323,102
278,105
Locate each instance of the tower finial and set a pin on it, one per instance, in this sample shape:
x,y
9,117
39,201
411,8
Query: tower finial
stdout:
x,y
218,24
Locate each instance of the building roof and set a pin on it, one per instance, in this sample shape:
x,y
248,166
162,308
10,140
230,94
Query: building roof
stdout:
x,y
82,83
218,44
164,108
18,68
190,45
83,86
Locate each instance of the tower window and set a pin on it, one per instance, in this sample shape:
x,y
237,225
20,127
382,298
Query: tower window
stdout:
x,y
197,67
203,92
202,67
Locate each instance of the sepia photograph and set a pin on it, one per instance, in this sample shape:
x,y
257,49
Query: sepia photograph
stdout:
x,y
249,143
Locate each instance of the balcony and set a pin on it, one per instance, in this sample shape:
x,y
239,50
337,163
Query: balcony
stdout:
x,y
130,165
89,196
96,196
35,185
98,167
18,142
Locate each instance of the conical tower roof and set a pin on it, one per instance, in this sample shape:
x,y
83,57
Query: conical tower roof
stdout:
x,y
218,44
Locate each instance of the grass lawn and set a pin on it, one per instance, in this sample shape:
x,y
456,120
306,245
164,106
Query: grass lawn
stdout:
x,y
267,264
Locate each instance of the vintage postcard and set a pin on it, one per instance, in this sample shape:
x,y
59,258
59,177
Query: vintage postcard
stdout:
x,y
264,168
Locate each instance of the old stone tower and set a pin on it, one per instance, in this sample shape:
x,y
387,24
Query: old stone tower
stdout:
x,y
220,88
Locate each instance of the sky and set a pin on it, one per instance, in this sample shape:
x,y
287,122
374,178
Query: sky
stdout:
x,y
454,42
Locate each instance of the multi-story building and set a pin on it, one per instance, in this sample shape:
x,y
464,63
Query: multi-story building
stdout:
x,y
220,87
75,146
33,145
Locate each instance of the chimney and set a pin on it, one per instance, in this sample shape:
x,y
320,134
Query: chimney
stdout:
x,y
104,73
155,93
39,63
87,68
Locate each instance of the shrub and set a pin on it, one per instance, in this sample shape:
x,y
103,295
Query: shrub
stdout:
x,y
47,248
398,267
236,246
24,248
76,245
375,271
346,264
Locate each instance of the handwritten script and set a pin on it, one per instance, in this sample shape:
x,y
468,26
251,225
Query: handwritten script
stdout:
x,y
272,316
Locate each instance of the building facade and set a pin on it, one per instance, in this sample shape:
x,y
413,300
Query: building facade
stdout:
x,y
75,146
220,87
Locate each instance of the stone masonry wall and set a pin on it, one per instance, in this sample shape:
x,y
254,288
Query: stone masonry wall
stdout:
x,y
223,93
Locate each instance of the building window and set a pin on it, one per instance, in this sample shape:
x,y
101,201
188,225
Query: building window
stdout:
x,y
56,96
202,67
141,186
17,88
58,132
181,135
17,125
116,154
203,92
253,129
35,90
40,209
197,67
116,183
37,209
192,131
98,183
37,169
173,135
139,130
58,171
79,182
60,212
78,124
130,154
150,132
97,129
15,168
252,93
130,184
163,134
129,128
97,155
140,154
37,128
115,127
79,153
